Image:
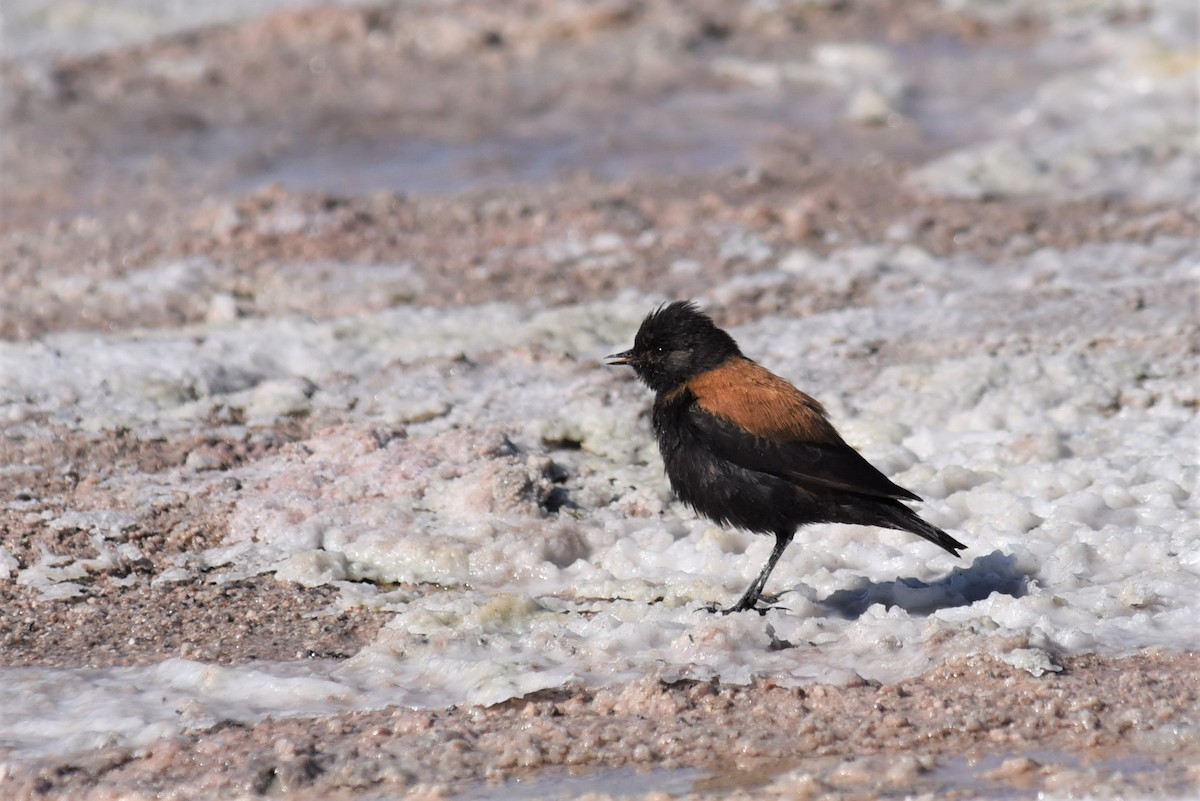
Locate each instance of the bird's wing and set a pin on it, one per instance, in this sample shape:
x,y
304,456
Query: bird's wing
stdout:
x,y
831,463
757,420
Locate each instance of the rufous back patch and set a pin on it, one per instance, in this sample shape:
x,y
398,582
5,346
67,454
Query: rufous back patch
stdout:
x,y
761,402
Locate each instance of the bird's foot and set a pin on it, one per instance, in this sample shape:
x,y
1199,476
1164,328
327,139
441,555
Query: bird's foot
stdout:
x,y
713,609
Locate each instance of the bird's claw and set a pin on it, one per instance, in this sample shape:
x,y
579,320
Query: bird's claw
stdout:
x,y
713,609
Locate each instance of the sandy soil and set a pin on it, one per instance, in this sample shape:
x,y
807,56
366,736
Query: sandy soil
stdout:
x,y
963,730
158,151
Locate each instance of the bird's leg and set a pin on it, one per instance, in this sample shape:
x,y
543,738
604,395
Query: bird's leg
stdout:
x,y
750,598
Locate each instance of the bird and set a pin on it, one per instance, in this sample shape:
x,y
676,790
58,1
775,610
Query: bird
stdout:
x,y
746,448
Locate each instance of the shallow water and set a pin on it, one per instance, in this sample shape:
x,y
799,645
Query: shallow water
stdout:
x,y
995,776
619,783
945,97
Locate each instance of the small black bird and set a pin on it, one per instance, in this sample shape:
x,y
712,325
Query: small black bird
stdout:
x,y
744,447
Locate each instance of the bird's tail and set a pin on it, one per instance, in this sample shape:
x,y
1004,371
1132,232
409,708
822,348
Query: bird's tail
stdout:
x,y
897,515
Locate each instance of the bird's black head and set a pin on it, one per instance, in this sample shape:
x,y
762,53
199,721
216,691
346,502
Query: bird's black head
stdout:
x,y
676,343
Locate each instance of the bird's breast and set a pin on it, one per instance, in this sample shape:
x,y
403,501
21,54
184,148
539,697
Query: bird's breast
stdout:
x,y
712,485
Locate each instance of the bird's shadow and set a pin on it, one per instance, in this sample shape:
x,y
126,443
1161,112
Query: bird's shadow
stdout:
x,y
995,572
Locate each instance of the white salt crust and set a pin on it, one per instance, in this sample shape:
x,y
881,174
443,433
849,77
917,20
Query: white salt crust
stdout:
x,y
499,492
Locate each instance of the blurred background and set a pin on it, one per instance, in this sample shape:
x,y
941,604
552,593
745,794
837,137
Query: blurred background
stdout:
x,y
264,129
440,98
445,97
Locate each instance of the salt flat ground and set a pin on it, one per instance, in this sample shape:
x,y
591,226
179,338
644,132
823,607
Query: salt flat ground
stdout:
x,y
312,483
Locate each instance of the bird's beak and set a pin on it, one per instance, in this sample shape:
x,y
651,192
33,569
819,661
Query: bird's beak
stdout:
x,y
619,358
